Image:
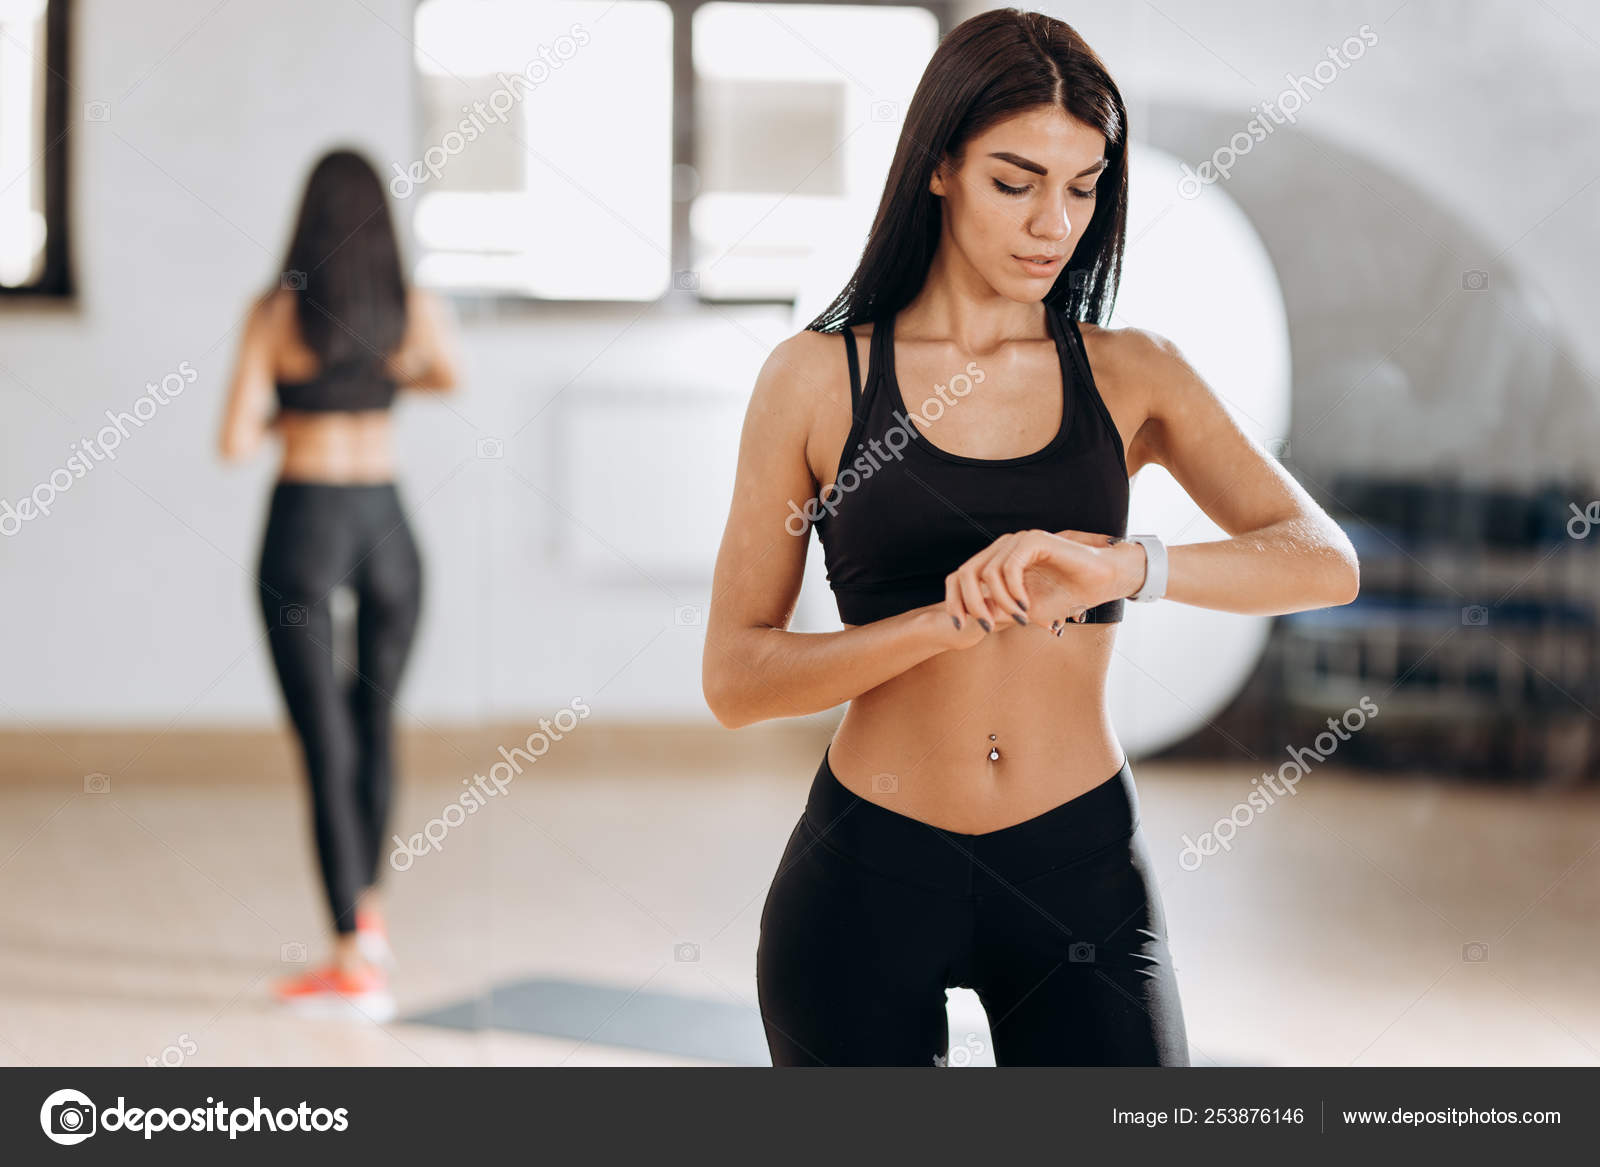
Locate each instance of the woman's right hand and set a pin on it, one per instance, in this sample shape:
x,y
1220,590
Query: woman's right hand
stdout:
x,y
970,632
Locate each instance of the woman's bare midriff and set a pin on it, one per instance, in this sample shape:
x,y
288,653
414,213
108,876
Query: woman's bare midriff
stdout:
x,y
920,744
337,447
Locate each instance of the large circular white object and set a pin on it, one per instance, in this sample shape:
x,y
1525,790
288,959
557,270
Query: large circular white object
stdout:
x,y
1195,272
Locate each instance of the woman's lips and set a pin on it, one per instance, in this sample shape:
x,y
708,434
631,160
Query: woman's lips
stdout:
x,y
1036,267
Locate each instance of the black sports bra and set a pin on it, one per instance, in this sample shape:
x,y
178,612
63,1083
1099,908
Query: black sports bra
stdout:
x,y
903,513
349,385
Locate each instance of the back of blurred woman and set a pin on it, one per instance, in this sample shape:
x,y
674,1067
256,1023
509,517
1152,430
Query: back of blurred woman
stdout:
x,y
323,355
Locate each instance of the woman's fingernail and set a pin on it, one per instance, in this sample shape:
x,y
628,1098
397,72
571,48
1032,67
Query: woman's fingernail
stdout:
x,y
984,624
1021,605
1021,619
956,622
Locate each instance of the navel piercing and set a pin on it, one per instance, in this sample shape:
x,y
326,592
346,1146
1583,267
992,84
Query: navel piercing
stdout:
x,y
994,753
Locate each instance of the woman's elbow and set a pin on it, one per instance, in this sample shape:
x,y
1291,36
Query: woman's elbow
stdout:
x,y
1348,576
1355,581
438,385
720,685
722,699
727,718
240,443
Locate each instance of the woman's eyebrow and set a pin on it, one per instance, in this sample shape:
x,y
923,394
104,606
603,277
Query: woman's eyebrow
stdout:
x,y
1028,164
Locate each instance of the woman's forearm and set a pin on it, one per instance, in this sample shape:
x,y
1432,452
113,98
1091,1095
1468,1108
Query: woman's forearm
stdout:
x,y
1289,566
763,673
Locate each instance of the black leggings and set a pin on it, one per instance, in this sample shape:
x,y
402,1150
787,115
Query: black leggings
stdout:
x,y
320,535
1055,923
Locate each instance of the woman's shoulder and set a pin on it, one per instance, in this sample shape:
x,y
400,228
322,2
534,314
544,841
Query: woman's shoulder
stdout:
x,y
1127,354
1140,375
422,300
823,353
272,303
430,319
809,355
805,379
271,313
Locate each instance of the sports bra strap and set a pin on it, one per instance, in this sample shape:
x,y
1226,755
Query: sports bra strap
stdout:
x,y
1080,360
855,369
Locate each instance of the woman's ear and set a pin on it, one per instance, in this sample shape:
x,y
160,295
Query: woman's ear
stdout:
x,y
936,180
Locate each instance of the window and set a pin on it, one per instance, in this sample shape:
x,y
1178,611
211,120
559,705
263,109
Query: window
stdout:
x,y
798,113
547,147
563,156
33,148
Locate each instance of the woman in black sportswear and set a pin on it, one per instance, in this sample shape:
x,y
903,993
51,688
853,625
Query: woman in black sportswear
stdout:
x,y
961,431
333,343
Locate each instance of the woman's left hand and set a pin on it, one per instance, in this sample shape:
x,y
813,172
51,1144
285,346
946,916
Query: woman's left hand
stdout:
x,y
1047,577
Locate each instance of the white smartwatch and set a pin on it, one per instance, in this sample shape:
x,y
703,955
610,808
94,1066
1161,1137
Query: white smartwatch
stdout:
x,y
1155,567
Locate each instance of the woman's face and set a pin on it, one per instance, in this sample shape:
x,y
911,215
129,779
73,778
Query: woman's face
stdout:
x,y
1025,192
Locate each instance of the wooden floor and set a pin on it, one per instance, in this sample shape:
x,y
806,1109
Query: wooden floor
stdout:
x,y
144,913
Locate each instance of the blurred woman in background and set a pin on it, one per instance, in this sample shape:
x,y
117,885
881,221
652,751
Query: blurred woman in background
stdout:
x,y
332,344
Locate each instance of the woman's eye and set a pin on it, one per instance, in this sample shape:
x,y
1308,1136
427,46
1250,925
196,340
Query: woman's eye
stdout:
x,y
1010,190
1084,194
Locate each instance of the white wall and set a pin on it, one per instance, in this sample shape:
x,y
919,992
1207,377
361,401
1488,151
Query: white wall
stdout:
x,y
133,601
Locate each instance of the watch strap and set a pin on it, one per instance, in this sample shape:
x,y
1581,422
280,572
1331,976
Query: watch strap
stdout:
x,y
1155,571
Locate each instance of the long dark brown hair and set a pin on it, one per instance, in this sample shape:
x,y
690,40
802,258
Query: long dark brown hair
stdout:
x,y
344,264
990,67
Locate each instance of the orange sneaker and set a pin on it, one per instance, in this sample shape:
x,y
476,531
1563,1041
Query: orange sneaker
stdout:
x,y
372,938
332,992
